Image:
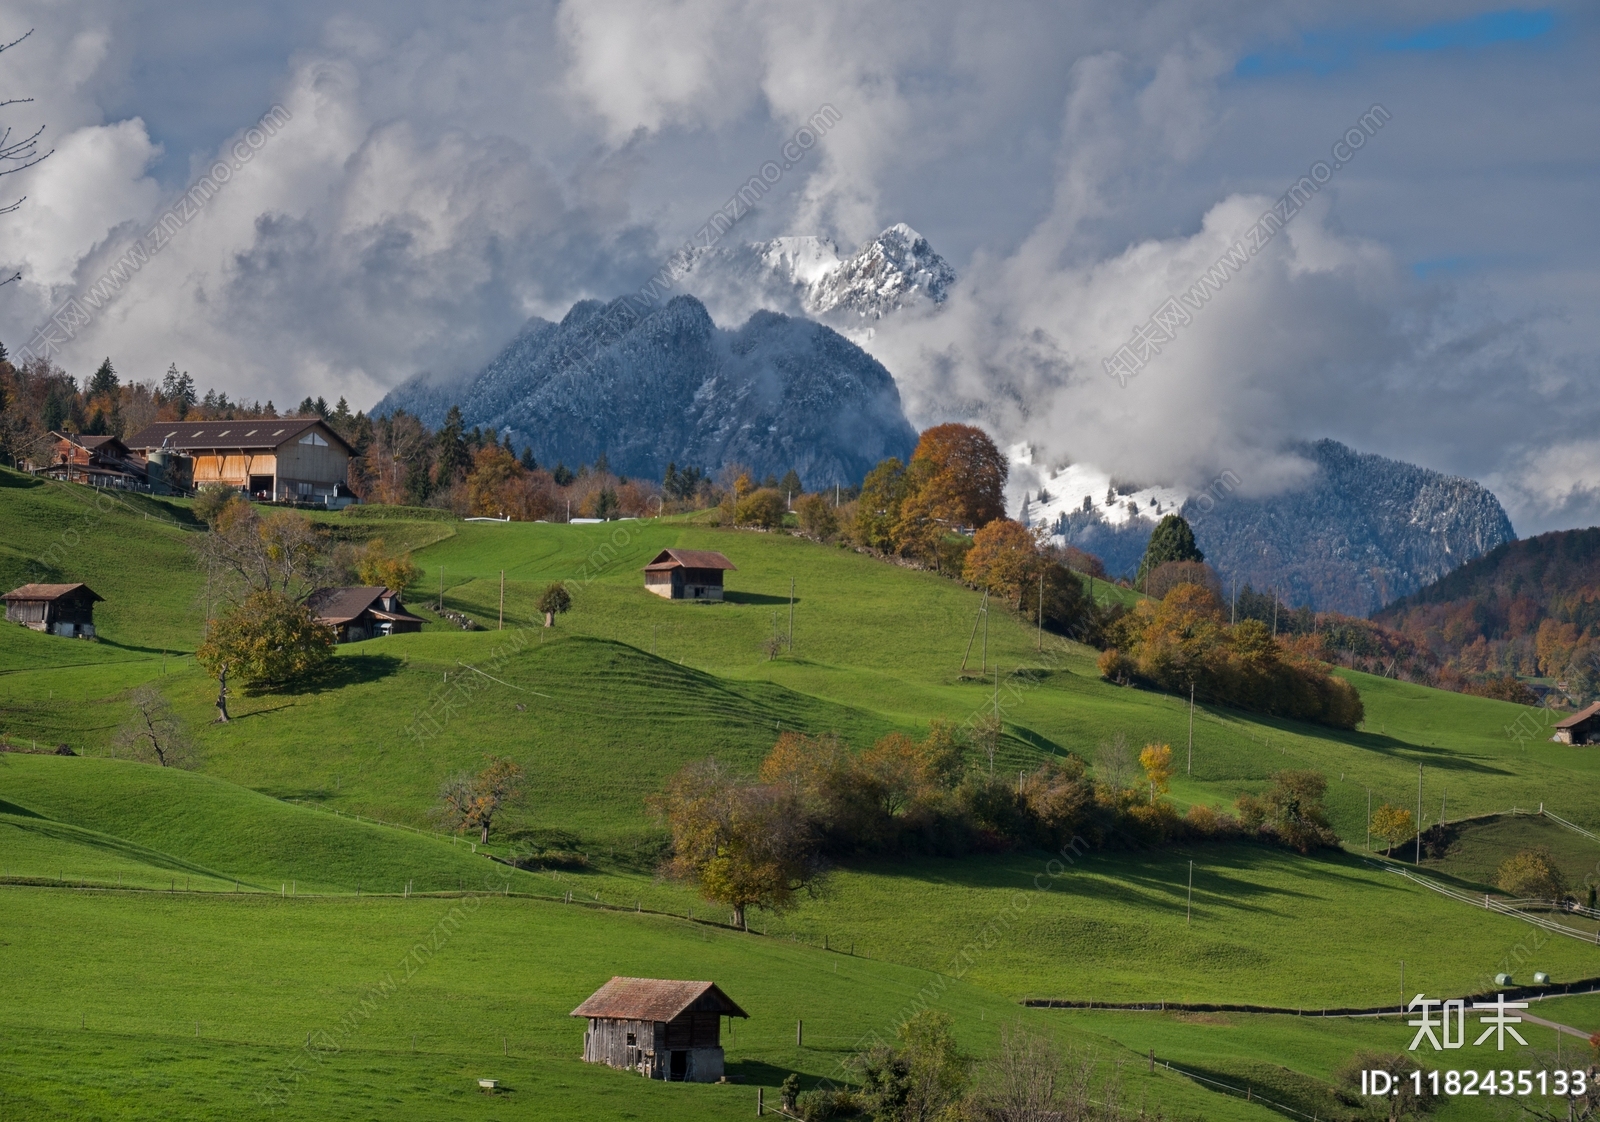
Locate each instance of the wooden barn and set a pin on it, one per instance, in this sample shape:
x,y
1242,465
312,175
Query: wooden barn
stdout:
x,y
1583,727
362,612
687,574
661,1029
61,609
273,459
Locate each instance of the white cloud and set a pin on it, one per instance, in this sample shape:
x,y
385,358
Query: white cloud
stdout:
x,y
448,173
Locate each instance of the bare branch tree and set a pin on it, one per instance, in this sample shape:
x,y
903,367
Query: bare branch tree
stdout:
x,y
154,735
18,153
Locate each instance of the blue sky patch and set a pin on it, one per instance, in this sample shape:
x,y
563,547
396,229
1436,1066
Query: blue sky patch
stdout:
x,y
1324,52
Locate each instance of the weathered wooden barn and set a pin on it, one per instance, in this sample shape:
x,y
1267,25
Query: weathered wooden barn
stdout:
x,y
661,1029
274,459
61,609
1583,727
362,612
687,574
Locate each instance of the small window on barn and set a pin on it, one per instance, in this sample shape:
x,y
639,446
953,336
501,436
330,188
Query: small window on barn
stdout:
x,y
632,1040
313,438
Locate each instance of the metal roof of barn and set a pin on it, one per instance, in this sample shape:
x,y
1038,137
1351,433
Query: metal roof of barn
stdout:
x,y
48,592
689,559
653,999
263,433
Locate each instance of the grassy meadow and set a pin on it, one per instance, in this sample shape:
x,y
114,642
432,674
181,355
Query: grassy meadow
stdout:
x,y
175,936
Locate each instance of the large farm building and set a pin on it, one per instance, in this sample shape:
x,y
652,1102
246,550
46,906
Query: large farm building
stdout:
x,y
273,459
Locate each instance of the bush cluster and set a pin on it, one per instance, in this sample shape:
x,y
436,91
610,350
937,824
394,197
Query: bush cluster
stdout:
x,y
1185,640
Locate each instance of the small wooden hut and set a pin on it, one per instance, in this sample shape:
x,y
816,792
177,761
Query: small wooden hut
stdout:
x,y
687,574
1583,727
61,609
661,1029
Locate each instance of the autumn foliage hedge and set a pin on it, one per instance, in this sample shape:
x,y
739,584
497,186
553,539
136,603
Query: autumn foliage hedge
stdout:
x,y
1185,639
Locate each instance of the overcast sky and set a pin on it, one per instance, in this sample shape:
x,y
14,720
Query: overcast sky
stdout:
x,y
445,171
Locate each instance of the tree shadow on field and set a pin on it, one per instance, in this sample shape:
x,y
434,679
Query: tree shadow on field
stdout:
x,y
342,671
755,598
759,1073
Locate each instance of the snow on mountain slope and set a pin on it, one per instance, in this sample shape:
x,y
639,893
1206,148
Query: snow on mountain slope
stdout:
x,y
896,269
807,275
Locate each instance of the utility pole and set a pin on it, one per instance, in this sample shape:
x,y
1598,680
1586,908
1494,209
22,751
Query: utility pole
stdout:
x,y
1040,647
1369,819
1191,728
1419,814
1188,909
791,615
968,652
996,717
502,626
441,588
985,655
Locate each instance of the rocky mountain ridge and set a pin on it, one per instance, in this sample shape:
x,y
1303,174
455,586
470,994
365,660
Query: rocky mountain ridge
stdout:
x,y
1361,531
668,385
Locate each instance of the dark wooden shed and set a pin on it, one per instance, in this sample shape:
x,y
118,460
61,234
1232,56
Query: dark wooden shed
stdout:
x,y
661,1029
362,612
1583,727
687,574
62,609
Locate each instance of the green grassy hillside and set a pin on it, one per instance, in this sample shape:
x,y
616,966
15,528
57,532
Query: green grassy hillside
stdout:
x,y
598,711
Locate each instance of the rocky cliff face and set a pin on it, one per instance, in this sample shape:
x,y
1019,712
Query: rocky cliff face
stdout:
x,y
669,385
1361,531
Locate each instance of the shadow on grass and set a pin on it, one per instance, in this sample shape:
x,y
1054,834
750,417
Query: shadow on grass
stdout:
x,y
759,1073
756,598
341,671
171,652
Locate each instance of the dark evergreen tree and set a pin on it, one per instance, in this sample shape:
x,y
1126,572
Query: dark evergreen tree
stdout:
x,y
104,380
527,458
306,407
450,449
321,407
562,475
1172,540
177,390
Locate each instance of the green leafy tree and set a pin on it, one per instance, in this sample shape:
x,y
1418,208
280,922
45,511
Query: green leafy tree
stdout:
x,y
922,1077
878,509
1172,540
554,600
1292,808
789,486
266,640
211,499
817,518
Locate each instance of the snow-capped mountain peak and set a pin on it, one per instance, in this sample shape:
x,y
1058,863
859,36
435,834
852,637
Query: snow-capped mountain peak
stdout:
x,y
890,272
808,275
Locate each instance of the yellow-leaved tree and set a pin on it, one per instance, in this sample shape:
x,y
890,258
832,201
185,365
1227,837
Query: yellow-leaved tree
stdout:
x,y
1156,759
